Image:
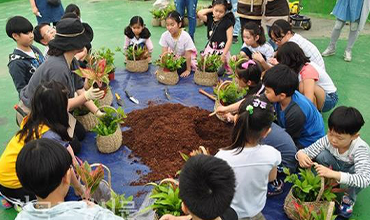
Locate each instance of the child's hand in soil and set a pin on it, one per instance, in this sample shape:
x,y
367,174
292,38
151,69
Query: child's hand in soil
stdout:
x,y
304,160
171,217
185,74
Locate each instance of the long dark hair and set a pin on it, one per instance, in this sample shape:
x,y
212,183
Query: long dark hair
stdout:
x,y
48,107
145,33
255,30
255,115
292,55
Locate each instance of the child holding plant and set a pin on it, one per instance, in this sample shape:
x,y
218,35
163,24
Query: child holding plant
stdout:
x,y
48,119
345,152
254,164
176,40
255,45
136,34
207,186
44,168
220,22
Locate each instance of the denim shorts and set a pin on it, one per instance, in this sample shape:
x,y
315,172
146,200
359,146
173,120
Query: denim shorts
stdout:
x,y
331,99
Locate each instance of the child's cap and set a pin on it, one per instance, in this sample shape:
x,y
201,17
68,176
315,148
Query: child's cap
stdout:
x,y
17,25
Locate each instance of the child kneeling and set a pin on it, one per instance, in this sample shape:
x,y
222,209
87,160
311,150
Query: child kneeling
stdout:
x,y
343,150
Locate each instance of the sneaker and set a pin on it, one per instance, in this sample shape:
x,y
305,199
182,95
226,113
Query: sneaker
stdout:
x,y
328,52
275,188
235,39
5,204
347,56
346,207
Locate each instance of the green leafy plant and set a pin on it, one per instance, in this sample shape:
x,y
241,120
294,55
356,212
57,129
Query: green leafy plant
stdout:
x,y
90,178
167,10
119,204
211,62
306,186
140,53
166,198
80,111
307,212
107,54
97,70
170,61
107,125
230,94
157,13
234,62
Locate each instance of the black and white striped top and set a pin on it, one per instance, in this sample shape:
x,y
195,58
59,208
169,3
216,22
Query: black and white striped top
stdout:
x,y
357,154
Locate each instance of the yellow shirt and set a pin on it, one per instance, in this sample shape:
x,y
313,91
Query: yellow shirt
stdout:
x,y
8,176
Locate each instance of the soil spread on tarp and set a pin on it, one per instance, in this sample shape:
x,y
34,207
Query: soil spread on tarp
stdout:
x,y
158,133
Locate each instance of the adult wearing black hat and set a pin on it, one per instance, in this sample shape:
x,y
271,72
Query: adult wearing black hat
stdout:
x,y
70,38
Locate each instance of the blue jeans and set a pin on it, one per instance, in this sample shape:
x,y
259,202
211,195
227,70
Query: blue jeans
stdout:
x,y
331,101
327,159
236,30
191,8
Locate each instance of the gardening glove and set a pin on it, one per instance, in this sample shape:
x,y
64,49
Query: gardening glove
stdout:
x,y
99,114
93,93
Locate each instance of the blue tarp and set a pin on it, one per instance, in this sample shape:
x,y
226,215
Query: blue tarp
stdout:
x,y
145,87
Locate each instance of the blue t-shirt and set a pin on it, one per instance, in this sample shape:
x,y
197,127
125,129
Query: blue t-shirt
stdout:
x,y
301,120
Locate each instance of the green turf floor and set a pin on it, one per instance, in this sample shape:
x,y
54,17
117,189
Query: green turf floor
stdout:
x,y
109,18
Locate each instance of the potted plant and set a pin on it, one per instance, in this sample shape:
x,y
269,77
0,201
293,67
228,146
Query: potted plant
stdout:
x,y
108,129
119,204
166,198
165,12
157,14
136,58
90,178
85,117
108,55
169,63
206,73
309,190
307,212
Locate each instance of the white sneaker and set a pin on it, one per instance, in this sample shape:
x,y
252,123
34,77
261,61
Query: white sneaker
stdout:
x,y
347,56
330,51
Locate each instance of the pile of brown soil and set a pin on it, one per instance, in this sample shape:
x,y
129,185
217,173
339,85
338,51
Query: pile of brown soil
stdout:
x,y
158,133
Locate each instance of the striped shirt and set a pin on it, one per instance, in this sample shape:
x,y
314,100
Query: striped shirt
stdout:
x,y
357,154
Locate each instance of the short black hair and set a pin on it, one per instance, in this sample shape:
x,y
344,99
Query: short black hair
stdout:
x,y
18,25
292,55
41,165
345,120
280,28
252,73
207,186
73,8
281,79
37,33
174,15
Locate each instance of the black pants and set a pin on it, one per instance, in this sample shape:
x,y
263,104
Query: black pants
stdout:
x,y
20,194
78,135
244,21
182,68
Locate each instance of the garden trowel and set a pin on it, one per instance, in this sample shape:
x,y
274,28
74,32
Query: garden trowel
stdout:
x,y
167,94
119,100
132,99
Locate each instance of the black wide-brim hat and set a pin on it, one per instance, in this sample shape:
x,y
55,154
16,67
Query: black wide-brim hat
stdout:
x,y
72,35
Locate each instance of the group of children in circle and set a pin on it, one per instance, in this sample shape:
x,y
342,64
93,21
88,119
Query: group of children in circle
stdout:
x,y
292,84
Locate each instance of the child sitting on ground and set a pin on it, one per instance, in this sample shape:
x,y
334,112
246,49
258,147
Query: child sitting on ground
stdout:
x,y
344,151
26,58
255,45
295,113
207,186
74,9
44,168
136,34
220,22
254,164
314,82
176,40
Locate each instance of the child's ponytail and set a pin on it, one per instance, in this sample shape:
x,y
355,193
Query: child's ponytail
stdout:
x,y
255,30
255,116
145,33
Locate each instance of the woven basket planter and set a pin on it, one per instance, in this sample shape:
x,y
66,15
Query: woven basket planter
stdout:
x,y
204,78
167,77
137,66
156,22
290,201
89,121
163,23
110,143
108,98
218,102
99,194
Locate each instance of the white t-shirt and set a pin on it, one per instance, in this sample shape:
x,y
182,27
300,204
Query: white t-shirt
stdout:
x,y
309,49
178,46
29,53
265,49
324,80
251,167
